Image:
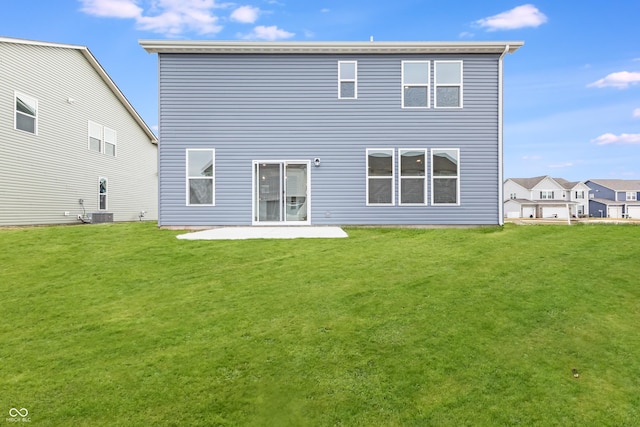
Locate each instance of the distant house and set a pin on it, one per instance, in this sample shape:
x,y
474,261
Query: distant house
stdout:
x,y
545,197
72,147
614,198
297,133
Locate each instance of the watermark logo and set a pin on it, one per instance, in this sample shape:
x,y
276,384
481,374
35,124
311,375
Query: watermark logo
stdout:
x,y
18,415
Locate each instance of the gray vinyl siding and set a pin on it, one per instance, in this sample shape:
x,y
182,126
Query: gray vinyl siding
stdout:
x,y
286,107
43,176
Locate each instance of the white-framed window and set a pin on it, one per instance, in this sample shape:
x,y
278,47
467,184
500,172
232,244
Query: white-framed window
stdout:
x,y
513,196
380,176
445,176
448,84
413,177
415,84
200,171
632,196
26,113
102,139
546,195
102,193
110,142
347,79
580,194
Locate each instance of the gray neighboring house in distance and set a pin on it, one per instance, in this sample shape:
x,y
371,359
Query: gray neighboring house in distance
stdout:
x,y
330,133
614,198
72,148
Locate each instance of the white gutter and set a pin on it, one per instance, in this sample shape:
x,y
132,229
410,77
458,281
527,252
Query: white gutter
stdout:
x,y
500,142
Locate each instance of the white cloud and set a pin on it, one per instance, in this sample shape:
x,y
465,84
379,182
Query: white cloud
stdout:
x,y
325,10
245,14
523,16
636,113
466,35
620,80
624,138
111,8
268,33
168,17
533,157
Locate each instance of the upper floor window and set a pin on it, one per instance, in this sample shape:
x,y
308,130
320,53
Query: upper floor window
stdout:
x,y
546,194
102,139
580,194
632,196
347,79
200,176
26,115
415,84
412,176
380,181
445,175
513,196
448,84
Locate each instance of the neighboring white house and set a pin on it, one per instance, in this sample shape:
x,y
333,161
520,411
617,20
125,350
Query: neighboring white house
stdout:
x,y
72,147
545,197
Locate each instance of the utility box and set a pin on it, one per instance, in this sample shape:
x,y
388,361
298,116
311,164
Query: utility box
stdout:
x,y
101,217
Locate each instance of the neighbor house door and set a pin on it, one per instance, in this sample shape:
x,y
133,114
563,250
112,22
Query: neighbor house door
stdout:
x,y
281,192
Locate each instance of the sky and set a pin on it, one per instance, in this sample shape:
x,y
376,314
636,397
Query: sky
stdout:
x,y
571,93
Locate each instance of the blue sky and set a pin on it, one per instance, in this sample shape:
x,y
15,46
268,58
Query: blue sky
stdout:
x,y
572,93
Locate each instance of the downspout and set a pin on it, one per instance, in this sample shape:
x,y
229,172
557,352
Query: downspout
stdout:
x,y
500,142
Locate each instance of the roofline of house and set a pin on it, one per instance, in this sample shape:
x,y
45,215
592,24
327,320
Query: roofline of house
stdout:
x,y
101,72
327,47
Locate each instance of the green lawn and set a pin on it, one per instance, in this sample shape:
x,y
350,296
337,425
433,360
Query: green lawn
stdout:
x,y
126,325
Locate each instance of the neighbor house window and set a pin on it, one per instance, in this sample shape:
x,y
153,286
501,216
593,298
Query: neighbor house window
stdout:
x,y
445,176
513,196
380,182
102,139
413,179
200,177
415,84
632,196
546,195
109,142
448,84
347,79
102,193
26,116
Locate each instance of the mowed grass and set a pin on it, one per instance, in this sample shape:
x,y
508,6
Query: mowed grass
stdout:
x,y
126,325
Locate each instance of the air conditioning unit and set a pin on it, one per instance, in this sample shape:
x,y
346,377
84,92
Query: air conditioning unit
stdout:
x,y
101,217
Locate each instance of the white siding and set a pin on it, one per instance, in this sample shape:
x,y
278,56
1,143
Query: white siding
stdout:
x,y
43,176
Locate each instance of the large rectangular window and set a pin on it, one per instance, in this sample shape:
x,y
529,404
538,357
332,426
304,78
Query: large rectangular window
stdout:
x,y
347,79
415,84
413,179
26,113
109,142
102,193
445,176
448,84
380,182
632,196
200,169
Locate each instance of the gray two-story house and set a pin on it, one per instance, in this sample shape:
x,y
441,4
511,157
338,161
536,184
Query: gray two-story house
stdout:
x,y
296,133
614,198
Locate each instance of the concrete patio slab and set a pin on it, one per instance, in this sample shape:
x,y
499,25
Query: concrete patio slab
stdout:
x,y
259,232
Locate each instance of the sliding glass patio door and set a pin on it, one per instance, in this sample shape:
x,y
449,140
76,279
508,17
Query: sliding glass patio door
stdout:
x,y
281,192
